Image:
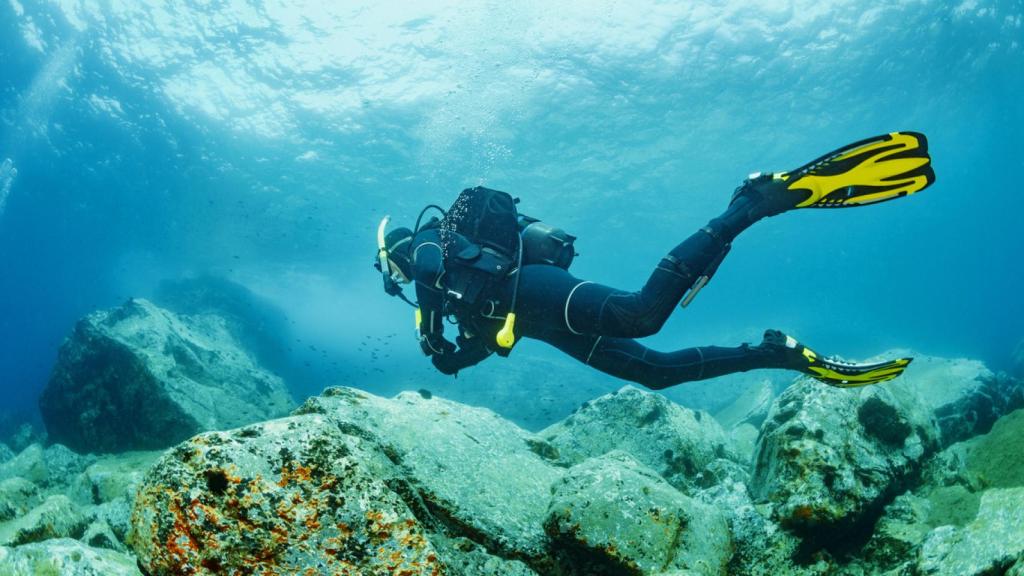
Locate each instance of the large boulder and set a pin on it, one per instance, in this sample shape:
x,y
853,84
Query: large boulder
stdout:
x,y
613,515
829,459
51,467
678,443
139,377
278,497
947,502
484,475
965,397
64,557
17,497
111,478
760,546
463,556
990,544
56,517
258,324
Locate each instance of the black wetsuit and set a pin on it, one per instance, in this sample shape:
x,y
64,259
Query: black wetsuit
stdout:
x,y
593,323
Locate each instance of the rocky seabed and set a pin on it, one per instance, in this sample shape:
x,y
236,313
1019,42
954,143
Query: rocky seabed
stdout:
x,y
921,476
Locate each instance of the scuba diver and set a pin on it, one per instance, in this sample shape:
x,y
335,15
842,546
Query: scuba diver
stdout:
x,y
501,276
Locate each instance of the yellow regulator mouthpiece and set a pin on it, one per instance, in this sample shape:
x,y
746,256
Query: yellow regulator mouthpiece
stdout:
x,y
506,336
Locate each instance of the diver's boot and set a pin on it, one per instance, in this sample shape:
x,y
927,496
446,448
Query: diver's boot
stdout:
x,y
793,355
762,195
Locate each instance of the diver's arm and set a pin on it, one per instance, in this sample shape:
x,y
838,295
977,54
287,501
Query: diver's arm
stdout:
x,y
431,322
471,351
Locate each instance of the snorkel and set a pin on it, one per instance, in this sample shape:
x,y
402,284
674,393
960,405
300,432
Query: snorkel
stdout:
x,y
390,286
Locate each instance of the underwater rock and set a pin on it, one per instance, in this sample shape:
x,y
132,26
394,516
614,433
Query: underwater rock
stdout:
x,y
258,324
830,458
64,557
5,453
17,497
485,476
24,436
990,544
991,460
676,442
99,534
112,477
139,377
463,556
750,408
897,535
50,467
950,493
613,515
117,514
56,517
277,497
760,546
965,396
996,459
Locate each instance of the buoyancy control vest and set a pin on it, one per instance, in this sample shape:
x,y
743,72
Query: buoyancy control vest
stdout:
x,y
485,241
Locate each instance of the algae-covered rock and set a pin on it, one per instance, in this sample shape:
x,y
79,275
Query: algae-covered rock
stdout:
x,y
139,377
830,458
463,556
990,544
111,477
988,460
99,534
50,467
56,517
613,515
64,557
965,396
760,546
483,474
676,442
17,497
996,459
898,533
277,497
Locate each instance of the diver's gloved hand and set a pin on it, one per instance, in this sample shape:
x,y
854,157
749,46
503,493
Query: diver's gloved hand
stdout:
x,y
436,345
793,355
446,364
471,351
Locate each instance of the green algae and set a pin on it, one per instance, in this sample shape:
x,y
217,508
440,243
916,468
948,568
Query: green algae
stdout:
x,y
996,456
952,505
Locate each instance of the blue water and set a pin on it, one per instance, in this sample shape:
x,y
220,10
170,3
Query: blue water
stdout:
x,y
261,142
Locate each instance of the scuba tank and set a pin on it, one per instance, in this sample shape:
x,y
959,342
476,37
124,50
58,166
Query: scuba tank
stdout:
x,y
545,244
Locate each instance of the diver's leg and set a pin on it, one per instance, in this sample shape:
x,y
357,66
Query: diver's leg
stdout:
x,y
596,309
628,359
553,298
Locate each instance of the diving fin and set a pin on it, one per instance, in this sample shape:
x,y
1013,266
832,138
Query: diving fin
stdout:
x,y
866,172
830,370
872,170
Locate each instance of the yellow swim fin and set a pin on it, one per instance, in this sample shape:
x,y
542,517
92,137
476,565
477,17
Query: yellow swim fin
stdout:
x,y
831,371
866,172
